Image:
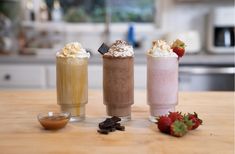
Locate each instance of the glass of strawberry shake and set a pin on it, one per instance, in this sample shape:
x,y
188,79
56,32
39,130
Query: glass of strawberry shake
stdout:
x,y
162,79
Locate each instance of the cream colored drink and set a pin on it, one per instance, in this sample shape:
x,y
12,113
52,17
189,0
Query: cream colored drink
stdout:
x,y
72,80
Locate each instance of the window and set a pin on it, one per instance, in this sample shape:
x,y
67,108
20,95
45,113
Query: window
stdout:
x,y
97,11
132,10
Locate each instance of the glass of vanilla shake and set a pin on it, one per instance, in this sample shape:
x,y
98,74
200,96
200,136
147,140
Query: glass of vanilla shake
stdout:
x,y
71,80
162,79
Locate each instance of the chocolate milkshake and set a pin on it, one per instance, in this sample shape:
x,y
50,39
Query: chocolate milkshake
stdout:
x,y
162,79
118,80
71,79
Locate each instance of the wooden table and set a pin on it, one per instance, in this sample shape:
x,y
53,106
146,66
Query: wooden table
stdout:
x,y
20,131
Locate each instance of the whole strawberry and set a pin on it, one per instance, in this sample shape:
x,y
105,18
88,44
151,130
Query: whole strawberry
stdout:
x,y
175,116
178,47
164,123
196,121
178,128
189,123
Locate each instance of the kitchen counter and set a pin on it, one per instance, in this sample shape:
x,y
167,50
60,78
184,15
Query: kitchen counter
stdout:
x,y
20,131
190,59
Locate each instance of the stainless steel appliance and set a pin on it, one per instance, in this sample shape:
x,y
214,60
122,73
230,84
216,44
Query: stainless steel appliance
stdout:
x,y
221,30
195,78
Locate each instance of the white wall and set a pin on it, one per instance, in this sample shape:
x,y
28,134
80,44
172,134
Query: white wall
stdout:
x,y
181,16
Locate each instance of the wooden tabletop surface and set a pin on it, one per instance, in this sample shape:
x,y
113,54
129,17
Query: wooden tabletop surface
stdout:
x,y
20,131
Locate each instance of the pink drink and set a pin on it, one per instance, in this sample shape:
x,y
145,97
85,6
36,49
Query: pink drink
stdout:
x,y
162,85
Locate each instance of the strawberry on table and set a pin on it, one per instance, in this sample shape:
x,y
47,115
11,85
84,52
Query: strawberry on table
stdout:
x,y
188,122
178,47
175,116
196,121
177,124
178,128
164,123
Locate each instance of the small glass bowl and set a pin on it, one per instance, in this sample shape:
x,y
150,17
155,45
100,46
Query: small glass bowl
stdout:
x,y
53,120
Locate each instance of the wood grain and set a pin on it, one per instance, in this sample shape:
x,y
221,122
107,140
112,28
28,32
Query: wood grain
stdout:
x,y
20,131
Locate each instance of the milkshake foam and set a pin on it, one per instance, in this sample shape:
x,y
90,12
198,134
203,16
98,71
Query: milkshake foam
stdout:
x,y
161,49
120,48
73,50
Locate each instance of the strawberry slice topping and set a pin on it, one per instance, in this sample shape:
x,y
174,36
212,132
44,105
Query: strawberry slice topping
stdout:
x,y
178,47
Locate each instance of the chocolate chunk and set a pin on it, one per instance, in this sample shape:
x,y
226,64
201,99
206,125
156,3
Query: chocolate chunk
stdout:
x,y
112,129
107,123
116,119
103,131
110,125
121,128
103,49
117,124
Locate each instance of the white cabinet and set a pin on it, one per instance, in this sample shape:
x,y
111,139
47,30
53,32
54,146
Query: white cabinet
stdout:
x,y
44,76
22,76
51,76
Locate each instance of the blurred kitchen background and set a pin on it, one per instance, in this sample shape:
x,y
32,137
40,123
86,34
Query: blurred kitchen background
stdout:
x,y
32,31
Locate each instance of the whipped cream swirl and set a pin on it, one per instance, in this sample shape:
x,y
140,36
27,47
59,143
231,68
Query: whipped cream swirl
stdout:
x,y
120,49
73,50
161,49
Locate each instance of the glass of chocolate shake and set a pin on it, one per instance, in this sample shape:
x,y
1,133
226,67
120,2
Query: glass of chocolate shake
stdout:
x,y
71,80
118,80
162,79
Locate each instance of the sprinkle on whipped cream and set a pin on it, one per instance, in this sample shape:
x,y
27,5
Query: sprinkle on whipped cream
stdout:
x,y
73,50
120,48
161,49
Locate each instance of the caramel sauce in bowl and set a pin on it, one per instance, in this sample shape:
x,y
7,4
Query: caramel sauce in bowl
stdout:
x,y
53,121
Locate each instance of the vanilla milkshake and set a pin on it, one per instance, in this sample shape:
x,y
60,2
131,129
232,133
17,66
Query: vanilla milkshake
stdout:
x,y
118,80
71,79
162,79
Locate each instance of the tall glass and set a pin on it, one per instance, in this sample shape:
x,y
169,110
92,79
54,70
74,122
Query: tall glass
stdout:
x,y
118,86
72,85
162,85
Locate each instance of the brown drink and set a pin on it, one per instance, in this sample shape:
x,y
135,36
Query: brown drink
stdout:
x,y
118,80
71,73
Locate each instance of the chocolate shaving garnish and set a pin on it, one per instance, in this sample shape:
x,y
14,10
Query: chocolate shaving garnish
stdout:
x,y
103,48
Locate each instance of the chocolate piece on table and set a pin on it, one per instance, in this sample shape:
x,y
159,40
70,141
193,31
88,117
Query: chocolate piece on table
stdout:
x,y
112,129
107,123
116,119
117,124
103,49
103,131
121,128
110,125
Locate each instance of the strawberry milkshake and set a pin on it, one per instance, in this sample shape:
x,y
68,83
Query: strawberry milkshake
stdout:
x,y
162,79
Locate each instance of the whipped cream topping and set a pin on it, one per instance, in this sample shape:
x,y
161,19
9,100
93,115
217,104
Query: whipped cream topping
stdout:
x,y
161,49
120,48
73,50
